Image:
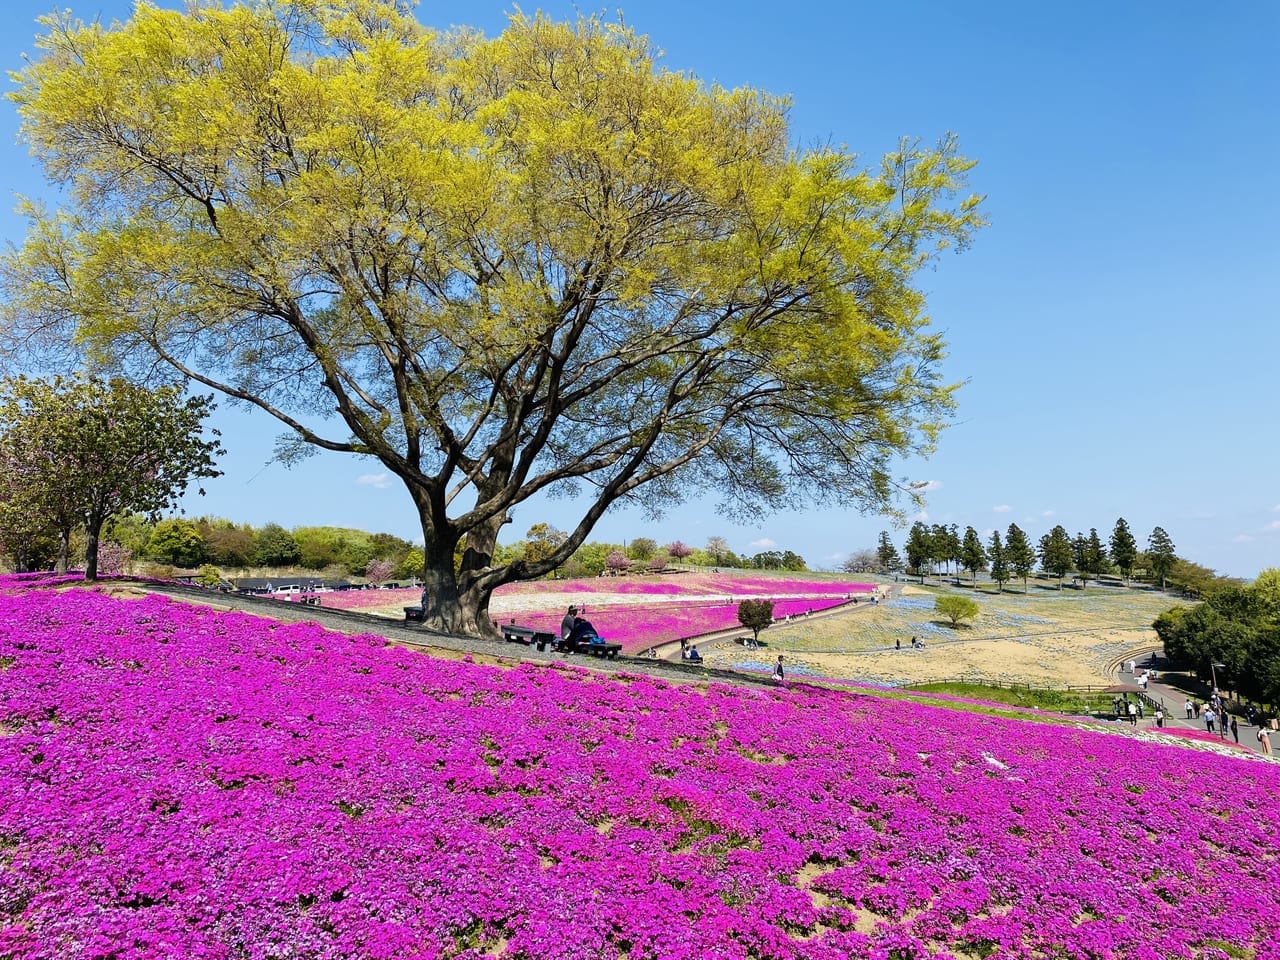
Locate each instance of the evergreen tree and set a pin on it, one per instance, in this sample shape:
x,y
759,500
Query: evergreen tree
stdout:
x,y
1096,554
1124,549
1160,554
999,561
918,549
887,553
1021,556
972,555
1055,553
955,547
1088,556
940,548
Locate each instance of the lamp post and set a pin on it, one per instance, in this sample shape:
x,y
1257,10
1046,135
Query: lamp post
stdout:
x,y
1222,713
1213,671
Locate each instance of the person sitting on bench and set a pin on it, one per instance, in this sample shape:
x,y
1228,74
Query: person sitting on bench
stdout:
x,y
582,631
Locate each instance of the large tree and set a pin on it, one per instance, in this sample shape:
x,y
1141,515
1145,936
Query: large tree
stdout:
x,y
1088,556
887,554
1055,552
1124,548
999,558
1022,556
92,449
503,267
918,549
1161,554
972,556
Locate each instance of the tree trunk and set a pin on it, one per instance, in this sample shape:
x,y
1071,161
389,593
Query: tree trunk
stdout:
x,y
458,602
64,550
92,532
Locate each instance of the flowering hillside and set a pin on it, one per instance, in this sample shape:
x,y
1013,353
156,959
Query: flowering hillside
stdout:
x,y
636,612
177,782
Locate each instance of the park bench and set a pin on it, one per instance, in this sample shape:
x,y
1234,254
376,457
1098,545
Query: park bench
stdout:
x,y
415,615
602,649
527,636
595,646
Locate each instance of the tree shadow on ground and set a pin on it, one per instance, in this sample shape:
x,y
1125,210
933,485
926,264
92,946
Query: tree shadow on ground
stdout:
x,y
952,626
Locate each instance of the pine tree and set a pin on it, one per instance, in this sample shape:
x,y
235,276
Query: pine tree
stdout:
x,y
1022,558
918,549
999,561
1088,555
1161,555
887,553
972,555
1124,549
1055,552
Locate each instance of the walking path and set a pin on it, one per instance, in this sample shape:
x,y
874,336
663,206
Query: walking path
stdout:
x,y
1173,702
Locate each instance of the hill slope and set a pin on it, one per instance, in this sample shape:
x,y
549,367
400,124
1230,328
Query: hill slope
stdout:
x,y
180,782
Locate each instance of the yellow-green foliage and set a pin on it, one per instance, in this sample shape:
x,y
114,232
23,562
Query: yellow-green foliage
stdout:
x,y
499,265
955,608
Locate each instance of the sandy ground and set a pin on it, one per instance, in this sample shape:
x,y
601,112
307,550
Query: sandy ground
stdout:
x,y
1062,660
852,644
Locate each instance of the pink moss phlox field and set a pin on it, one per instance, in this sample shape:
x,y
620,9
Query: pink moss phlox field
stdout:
x,y
178,782
640,626
736,584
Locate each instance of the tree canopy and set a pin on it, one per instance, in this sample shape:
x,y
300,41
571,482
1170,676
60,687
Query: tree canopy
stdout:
x,y
79,451
755,615
503,267
1021,555
1238,628
1124,548
1161,554
955,608
1055,552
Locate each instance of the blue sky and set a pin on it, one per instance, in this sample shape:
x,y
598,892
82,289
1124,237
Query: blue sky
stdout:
x,y
1116,323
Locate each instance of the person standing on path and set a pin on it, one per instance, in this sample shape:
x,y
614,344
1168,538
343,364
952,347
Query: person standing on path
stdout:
x,y
1191,710
1208,719
778,673
1133,713
1159,717
1264,741
1235,730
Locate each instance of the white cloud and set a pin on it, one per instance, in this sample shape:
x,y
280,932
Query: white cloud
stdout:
x,y
1047,513
1276,508
379,481
764,543
1003,508
922,517
925,486
1242,538
1273,525
834,556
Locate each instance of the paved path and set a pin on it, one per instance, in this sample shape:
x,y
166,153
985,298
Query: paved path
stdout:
x,y
1174,701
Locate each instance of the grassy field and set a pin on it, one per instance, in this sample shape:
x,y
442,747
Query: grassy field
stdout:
x,y
1044,637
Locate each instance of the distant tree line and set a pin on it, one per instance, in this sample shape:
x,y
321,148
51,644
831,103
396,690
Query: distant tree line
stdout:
x,y
638,556
937,548
1233,636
